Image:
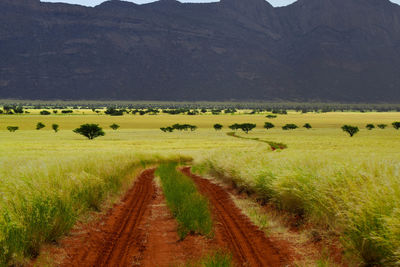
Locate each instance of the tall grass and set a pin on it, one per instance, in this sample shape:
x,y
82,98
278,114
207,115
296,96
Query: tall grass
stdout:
x,y
189,207
42,199
358,197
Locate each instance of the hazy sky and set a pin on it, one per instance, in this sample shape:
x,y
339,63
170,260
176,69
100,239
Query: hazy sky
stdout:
x,y
96,2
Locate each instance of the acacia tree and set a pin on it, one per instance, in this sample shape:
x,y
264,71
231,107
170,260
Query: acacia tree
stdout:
x,y
268,125
247,127
351,130
40,126
55,127
382,126
90,131
370,126
396,125
114,126
307,126
12,128
290,126
218,127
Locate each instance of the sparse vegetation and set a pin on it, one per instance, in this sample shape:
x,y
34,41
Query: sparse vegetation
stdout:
x,y
90,131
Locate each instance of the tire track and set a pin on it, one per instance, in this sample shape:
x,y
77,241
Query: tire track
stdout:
x,y
120,240
247,243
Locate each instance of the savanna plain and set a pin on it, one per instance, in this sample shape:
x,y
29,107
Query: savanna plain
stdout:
x,y
332,199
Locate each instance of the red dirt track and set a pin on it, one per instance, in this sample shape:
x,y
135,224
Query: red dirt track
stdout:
x,y
247,243
118,242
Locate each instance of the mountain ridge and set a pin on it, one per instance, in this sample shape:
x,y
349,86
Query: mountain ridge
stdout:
x,y
330,50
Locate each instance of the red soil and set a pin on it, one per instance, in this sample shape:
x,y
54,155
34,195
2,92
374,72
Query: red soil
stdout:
x,y
118,240
248,244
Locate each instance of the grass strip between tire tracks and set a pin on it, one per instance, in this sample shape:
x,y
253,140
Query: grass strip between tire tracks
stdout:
x,y
187,205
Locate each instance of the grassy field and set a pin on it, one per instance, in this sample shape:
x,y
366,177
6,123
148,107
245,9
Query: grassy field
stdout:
x,y
350,184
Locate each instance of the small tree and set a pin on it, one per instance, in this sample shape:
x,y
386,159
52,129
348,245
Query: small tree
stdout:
x,y
90,131
114,126
370,126
44,112
382,126
268,125
351,130
247,127
12,128
55,127
55,111
40,126
396,125
307,126
271,116
218,127
234,127
290,127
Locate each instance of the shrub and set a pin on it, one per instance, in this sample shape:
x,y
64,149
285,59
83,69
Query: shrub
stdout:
x,y
271,116
167,129
370,126
396,125
90,131
290,127
44,112
268,125
114,126
55,111
351,130
12,128
218,127
382,126
55,127
114,112
40,125
67,111
307,126
234,127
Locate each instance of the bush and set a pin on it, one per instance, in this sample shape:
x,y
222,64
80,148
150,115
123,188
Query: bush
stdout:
x,y
12,128
44,112
268,125
40,125
307,126
271,116
55,127
67,111
167,129
218,127
351,130
290,127
396,125
370,126
91,131
114,126
382,126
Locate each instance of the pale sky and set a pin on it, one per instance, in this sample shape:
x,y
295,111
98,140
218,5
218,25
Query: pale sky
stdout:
x,y
96,2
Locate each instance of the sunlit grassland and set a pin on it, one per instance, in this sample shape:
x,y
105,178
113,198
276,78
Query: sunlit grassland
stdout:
x,y
350,184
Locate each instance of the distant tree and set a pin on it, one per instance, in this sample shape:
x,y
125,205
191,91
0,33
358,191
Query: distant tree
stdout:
x,y
247,127
396,125
234,127
351,130
12,128
55,111
268,125
290,127
67,111
218,127
44,112
7,109
271,116
370,126
203,110
55,127
90,131
114,126
307,126
40,125
382,126
18,110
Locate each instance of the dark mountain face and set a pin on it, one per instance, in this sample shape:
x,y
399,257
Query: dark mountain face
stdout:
x,y
333,50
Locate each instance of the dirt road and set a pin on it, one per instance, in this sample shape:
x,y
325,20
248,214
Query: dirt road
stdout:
x,y
247,243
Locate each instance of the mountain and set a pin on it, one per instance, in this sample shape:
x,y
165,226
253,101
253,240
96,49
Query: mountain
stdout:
x,y
325,50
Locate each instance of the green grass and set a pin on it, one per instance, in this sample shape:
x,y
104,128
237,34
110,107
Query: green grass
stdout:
x,y
189,207
214,259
